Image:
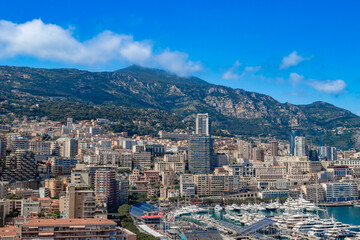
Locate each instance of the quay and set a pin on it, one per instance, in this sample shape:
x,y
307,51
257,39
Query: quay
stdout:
x,y
337,204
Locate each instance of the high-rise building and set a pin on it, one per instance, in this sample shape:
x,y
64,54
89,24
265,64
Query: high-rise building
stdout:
x,y
95,131
127,143
125,159
2,147
123,190
244,149
168,178
333,156
79,202
244,169
200,145
328,153
274,148
69,123
187,185
62,165
4,210
4,189
313,155
40,147
142,159
106,186
257,154
70,148
80,175
200,153
293,134
203,124
55,149
20,166
16,142
155,149
55,185
300,148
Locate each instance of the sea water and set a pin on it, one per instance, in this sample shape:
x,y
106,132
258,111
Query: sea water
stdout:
x,y
346,214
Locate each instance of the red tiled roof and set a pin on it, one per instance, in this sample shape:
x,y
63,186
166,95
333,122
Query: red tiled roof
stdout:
x,y
151,216
9,231
72,221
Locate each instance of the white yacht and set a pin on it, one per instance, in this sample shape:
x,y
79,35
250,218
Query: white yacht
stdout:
x,y
292,220
229,208
218,208
236,207
305,226
338,233
271,207
321,229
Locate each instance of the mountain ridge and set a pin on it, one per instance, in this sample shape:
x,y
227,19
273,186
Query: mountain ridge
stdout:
x,y
237,110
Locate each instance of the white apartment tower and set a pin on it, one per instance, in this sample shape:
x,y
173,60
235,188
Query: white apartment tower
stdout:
x,y
203,124
300,146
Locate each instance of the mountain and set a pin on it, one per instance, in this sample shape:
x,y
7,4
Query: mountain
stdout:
x,y
133,88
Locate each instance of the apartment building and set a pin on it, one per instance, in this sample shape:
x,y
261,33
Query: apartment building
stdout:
x,y
40,147
55,186
106,186
62,165
91,228
267,176
187,185
335,192
142,160
79,202
217,185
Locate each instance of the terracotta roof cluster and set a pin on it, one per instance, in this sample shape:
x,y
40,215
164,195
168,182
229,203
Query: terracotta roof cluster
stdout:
x,y
71,221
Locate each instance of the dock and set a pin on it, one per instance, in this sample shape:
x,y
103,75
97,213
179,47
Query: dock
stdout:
x,y
336,204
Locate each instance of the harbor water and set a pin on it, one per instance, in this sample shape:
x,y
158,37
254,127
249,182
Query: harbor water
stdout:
x,y
346,214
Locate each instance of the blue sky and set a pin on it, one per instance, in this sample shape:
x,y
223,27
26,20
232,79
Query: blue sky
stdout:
x,y
294,51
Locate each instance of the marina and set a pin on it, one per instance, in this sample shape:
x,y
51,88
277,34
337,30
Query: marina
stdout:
x,y
293,219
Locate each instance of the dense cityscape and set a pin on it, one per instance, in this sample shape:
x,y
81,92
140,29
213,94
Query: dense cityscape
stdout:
x,y
179,120
82,180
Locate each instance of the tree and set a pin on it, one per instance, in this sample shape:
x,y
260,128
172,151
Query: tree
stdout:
x,y
127,222
14,213
14,196
123,210
56,214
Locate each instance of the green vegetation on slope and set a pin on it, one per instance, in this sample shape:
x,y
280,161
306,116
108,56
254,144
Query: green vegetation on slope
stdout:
x,y
127,222
127,94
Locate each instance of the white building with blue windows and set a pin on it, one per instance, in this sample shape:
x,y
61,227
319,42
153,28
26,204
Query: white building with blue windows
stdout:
x,y
336,192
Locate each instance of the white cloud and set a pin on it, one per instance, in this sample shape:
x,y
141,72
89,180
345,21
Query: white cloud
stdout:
x,y
296,78
229,75
233,72
177,62
328,86
292,60
252,69
52,42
